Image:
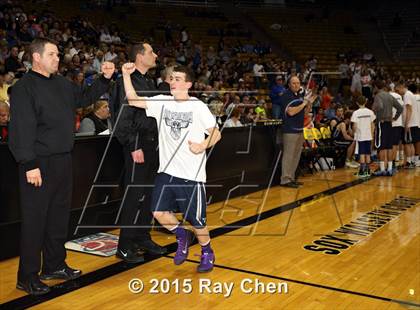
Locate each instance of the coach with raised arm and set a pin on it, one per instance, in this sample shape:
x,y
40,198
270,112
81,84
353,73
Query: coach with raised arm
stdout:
x,y
41,139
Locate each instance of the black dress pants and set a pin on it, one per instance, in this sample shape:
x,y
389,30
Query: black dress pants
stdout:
x,y
135,214
45,214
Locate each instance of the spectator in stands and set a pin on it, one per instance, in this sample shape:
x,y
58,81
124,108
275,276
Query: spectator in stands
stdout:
x,y
98,61
98,120
105,36
330,112
356,83
343,138
233,120
261,110
312,63
13,64
4,121
320,118
3,88
249,116
276,92
115,38
344,75
326,98
338,117
211,56
164,86
236,102
110,54
366,81
184,36
258,70
78,79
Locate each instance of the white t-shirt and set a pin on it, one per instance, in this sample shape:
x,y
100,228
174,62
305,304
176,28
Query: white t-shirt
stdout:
x,y
409,99
231,123
417,96
363,118
257,70
105,37
178,123
109,56
398,122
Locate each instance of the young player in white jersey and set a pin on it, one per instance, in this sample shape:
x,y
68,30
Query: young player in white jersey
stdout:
x,y
183,122
363,127
397,128
416,91
411,122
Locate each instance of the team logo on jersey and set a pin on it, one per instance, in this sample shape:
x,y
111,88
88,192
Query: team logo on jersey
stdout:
x,y
177,121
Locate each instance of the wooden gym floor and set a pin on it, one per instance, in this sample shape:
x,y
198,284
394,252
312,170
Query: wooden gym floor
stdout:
x,y
336,243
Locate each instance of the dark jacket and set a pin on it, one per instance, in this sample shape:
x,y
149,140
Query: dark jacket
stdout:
x,y
133,129
4,133
99,124
42,112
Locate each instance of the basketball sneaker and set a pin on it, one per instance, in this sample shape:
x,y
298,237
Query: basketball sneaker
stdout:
x,y
351,164
206,261
379,173
184,238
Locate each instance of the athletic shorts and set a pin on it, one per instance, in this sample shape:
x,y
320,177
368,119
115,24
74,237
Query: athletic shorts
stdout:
x,y
363,147
408,137
175,194
416,134
398,134
342,143
383,136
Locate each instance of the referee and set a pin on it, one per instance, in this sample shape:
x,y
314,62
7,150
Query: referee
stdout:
x,y
41,140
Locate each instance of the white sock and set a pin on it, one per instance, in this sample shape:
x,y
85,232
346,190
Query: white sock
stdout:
x,y
382,166
390,166
410,159
416,158
174,228
207,243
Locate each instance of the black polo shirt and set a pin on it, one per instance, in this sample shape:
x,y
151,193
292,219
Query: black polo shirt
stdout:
x,y
292,124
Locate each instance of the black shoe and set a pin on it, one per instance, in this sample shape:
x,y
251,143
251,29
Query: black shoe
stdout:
x,y
131,256
33,287
150,247
66,273
290,185
297,183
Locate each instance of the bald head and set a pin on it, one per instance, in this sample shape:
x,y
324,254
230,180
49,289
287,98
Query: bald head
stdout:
x,y
4,113
294,84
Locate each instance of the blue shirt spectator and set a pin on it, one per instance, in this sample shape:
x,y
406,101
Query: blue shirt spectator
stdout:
x,y
276,93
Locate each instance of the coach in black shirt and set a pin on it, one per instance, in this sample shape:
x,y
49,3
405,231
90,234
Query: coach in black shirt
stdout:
x,y
139,137
41,139
293,109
